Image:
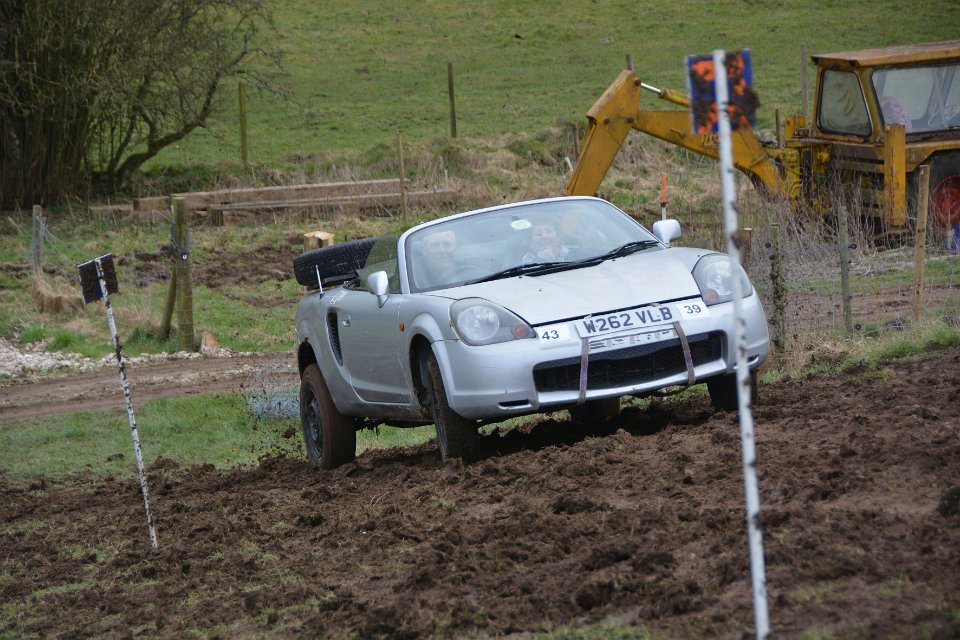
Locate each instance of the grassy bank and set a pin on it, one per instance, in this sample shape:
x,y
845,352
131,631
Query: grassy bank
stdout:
x,y
357,73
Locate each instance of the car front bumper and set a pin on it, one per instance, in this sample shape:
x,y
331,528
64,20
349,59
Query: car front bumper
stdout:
x,y
532,375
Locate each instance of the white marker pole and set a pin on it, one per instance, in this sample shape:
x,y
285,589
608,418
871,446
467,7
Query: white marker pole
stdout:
x,y
754,535
126,396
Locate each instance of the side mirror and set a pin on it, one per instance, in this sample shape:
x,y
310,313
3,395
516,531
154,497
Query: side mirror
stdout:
x,y
378,285
666,230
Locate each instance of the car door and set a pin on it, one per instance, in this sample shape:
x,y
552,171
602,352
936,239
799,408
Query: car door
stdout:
x,y
369,333
369,342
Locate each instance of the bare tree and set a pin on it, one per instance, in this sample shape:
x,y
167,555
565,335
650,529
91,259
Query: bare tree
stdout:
x,y
92,89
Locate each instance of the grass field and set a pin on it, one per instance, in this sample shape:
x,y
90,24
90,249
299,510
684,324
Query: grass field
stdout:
x,y
358,73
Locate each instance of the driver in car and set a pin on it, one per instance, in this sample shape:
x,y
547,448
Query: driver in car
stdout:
x,y
439,249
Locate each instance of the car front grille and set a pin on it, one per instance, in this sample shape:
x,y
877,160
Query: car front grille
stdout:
x,y
624,367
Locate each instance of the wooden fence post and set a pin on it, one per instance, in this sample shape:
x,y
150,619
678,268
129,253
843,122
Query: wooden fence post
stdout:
x,y
920,254
779,291
36,241
803,84
576,139
165,323
844,243
745,236
403,183
453,103
242,91
778,127
181,261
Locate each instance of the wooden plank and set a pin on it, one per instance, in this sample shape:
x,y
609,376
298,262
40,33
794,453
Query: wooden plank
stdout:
x,y
363,202
153,203
203,199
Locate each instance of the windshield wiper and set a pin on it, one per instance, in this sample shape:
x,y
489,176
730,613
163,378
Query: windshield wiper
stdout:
x,y
540,268
526,270
627,249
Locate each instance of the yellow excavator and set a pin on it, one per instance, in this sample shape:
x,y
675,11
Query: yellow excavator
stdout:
x,y
878,115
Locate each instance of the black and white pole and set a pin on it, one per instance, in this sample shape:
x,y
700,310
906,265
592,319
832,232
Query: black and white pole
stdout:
x,y
98,278
751,487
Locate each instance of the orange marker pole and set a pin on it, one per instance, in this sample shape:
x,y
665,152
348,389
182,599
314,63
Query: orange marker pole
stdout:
x,y
663,196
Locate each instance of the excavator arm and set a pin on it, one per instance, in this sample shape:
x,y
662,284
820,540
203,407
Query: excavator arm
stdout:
x,y
612,117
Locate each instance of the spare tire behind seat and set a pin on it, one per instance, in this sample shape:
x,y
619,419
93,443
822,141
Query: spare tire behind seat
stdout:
x,y
337,262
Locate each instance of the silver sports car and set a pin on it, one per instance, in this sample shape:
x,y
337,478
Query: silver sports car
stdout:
x,y
561,303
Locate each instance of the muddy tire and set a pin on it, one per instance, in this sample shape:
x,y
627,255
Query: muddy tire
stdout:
x,y
723,391
335,262
457,437
595,412
329,436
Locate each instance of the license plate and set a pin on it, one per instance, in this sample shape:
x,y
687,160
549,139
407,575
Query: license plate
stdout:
x,y
640,318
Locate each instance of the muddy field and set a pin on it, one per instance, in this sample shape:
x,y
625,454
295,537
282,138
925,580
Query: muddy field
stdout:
x,y
636,523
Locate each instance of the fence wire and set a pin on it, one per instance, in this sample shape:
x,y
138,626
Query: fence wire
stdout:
x,y
883,287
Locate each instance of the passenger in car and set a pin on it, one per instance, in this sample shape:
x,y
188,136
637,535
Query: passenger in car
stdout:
x,y
545,244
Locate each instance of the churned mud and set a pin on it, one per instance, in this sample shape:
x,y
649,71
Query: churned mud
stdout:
x,y
638,522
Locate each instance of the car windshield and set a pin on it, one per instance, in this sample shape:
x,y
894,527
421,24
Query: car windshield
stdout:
x,y
528,239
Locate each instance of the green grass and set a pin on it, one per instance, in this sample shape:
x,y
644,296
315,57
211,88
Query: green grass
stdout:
x,y
240,325
213,429
865,352
203,429
388,437
936,272
358,73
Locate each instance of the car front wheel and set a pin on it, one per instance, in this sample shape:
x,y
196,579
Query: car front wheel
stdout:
x,y
723,391
328,435
457,437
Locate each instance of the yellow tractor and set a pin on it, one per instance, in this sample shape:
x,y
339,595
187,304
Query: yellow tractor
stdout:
x,y
878,115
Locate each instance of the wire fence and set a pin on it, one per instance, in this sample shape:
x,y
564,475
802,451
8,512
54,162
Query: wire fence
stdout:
x,y
794,260
799,268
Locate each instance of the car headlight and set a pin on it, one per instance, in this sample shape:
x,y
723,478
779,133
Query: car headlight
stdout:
x,y
480,322
714,275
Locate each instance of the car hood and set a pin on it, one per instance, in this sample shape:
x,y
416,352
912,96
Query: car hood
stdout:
x,y
614,284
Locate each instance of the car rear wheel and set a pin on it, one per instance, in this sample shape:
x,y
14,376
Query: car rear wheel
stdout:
x,y
457,437
723,391
328,435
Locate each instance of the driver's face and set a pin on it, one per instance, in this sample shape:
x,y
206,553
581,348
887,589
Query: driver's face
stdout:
x,y
438,250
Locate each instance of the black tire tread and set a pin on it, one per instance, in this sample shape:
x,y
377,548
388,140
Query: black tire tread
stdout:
x,y
339,436
459,437
335,261
723,391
